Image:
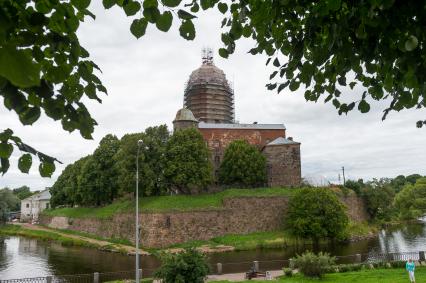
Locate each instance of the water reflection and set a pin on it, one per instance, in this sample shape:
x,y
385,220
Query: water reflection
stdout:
x,y
21,257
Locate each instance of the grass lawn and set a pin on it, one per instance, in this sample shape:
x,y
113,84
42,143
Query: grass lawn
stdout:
x,y
169,203
363,276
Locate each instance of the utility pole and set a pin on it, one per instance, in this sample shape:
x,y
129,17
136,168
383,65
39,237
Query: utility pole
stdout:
x,y
344,179
137,214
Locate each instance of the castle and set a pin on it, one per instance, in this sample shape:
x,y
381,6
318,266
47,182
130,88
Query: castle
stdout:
x,y
209,106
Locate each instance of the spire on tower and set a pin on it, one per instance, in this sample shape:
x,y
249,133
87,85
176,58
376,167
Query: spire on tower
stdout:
x,y
207,56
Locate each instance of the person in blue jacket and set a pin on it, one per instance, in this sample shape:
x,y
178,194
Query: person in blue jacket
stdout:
x,y
410,267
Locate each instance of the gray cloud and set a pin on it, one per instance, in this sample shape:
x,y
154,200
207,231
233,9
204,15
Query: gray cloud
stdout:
x,y
146,77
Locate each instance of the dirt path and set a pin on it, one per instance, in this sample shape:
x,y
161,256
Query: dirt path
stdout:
x,y
105,245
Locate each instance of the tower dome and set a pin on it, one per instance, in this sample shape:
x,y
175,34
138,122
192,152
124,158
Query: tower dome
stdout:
x,y
184,119
208,93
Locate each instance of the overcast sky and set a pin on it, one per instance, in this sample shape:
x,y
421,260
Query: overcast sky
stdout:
x,y
145,79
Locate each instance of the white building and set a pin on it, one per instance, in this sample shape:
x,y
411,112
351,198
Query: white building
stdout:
x,y
33,205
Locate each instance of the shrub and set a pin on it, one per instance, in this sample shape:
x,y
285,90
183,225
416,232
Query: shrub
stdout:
x,y
187,266
312,265
316,213
288,272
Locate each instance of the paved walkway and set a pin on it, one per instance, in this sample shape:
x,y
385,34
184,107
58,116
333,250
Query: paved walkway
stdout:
x,y
235,277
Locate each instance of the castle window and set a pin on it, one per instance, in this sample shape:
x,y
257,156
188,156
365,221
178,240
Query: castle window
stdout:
x,y
28,205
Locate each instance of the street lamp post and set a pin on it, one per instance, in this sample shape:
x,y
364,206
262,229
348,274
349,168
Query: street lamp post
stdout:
x,y
137,212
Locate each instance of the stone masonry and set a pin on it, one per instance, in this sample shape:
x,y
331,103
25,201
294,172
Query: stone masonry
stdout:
x,y
240,215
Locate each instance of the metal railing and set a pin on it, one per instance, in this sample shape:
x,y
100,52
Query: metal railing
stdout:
x,y
220,268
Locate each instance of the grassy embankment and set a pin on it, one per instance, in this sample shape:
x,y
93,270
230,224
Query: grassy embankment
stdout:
x,y
15,230
363,276
169,203
274,239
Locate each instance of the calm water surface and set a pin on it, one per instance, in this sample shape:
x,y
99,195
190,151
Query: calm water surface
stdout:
x,y
22,257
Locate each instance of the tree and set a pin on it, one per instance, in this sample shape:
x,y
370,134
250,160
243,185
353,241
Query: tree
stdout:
x,y
356,186
411,201
8,202
316,213
151,161
98,179
22,192
187,266
66,189
378,196
242,165
188,167
328,46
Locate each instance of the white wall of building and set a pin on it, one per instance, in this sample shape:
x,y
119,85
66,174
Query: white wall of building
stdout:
x,y
33,205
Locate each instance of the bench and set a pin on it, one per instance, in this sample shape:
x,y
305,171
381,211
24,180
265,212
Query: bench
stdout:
x,y
255,274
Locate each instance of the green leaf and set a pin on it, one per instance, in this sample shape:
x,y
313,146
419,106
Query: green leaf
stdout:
x,y
276,62
150,4
223,7
294,85
138,27
411,43
80,4
25,162
283,86
185,15
187,30
171,3
131,8
4,162
333,5
46,168
6,150
30,115
388,82
17,66
108,3
205,4
363,106
164,22
223,53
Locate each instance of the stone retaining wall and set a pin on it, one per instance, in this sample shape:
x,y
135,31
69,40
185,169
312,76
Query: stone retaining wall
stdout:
x,y
237,216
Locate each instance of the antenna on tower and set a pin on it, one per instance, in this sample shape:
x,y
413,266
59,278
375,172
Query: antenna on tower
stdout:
x,y
207,56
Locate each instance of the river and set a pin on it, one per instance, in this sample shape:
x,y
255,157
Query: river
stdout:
x,y
22,257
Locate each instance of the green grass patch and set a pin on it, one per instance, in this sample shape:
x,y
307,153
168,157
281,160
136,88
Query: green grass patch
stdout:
x,y
168,203
363,276
15,230
92,236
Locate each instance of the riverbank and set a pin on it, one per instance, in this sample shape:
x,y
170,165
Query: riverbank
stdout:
x,y
227,243
363,276
66,238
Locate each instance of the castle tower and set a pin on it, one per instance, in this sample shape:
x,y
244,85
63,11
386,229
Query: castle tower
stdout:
x,y
208,93
184,119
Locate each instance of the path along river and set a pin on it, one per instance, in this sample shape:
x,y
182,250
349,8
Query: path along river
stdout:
x,y
22,257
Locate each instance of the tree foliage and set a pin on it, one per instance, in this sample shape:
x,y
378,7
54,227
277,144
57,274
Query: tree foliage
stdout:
x,y
187,266
43,68
188,167
242,165
411,200
152,161
8,202
316,213
22,192
98,179
326,47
